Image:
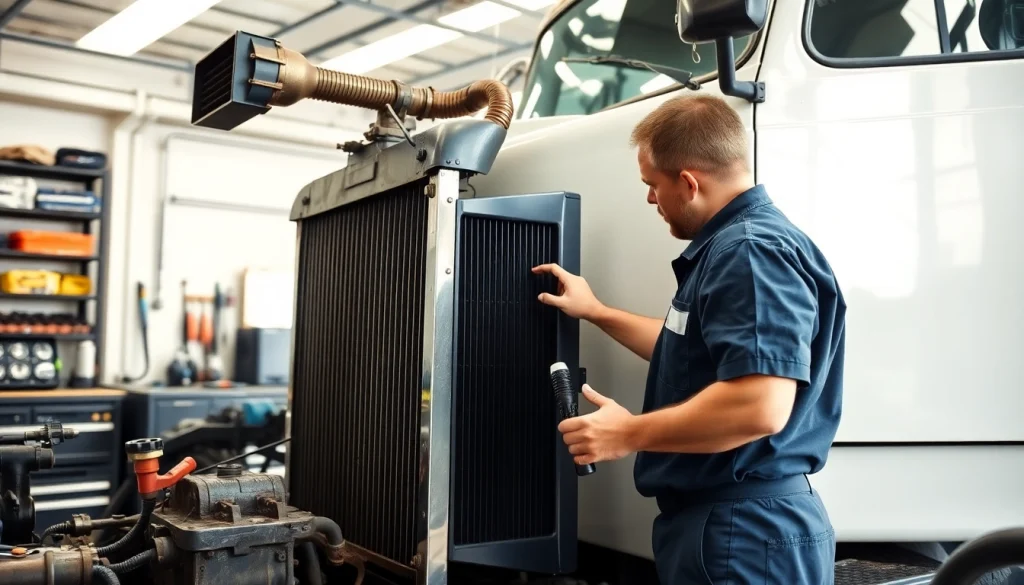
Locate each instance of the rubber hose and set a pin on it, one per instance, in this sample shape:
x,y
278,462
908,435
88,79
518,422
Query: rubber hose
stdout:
x,y
310,563
147,511
135,562
330,529
101,574
60,528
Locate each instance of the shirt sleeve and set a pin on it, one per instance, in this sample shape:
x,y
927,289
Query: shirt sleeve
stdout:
x,y
758,312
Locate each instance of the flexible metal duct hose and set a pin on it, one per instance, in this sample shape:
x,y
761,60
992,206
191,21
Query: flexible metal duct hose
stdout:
x,y
300,79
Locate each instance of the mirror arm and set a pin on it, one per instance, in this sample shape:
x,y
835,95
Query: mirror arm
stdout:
x,y
752,91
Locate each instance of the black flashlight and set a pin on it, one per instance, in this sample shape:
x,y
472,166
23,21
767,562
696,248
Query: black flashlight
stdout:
x,y
565,400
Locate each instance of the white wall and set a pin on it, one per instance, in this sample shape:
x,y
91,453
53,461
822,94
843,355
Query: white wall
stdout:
x,y
54,98
201,245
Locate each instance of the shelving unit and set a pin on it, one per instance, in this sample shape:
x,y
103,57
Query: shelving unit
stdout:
x,y
96,224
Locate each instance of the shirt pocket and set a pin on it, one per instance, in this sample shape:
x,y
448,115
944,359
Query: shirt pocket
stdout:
x,y
674,367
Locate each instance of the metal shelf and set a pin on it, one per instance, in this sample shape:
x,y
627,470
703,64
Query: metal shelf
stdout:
x,y
44,214
97,224
16,297
57,336
9,254
56,173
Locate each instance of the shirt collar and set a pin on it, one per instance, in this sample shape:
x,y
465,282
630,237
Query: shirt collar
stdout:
x,y
756,196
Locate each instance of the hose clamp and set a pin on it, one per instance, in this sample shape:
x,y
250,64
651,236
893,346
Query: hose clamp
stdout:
x,y
430,104
404,98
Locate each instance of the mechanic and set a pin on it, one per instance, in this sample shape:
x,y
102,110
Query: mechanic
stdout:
x,y
744,389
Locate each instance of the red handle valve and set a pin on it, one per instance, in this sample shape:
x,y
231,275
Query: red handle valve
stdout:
x,y
145,455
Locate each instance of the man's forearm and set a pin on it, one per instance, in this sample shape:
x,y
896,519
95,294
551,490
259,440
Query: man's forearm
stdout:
x,y
721,417
636,332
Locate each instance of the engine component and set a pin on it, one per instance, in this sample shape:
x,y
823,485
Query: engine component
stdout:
x,y
49,567
232,527
17,508
145,456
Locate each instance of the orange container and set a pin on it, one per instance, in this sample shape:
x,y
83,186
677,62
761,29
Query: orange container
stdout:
x,y
57,243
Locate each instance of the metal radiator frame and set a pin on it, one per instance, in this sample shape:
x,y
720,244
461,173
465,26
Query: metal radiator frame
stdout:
x,y
443,153
438,355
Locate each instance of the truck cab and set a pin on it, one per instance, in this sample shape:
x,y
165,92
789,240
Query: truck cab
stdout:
x,y
887,130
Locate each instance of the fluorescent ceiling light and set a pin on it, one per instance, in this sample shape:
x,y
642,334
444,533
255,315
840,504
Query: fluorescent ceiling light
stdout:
x,y
424,37
141,23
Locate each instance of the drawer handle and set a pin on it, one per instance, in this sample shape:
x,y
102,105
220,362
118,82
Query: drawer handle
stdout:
x,y
183,403
81,427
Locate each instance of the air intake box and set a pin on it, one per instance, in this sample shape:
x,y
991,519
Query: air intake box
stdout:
x,y
422,416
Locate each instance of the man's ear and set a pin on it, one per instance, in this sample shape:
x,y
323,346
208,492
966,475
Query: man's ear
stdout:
x,y
687,180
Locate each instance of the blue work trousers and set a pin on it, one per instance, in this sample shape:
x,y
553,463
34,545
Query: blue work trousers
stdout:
x,y
752,533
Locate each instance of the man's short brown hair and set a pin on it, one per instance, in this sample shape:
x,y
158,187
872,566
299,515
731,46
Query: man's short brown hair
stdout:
x,y
695,132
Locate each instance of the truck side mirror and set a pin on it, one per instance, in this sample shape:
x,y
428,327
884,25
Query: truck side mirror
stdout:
x,y
721,21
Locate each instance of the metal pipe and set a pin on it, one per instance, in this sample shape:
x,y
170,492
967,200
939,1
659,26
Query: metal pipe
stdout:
x,y
166,197
228,205
304,21
473,62
519,9
12,12
421,20
185,67
353,36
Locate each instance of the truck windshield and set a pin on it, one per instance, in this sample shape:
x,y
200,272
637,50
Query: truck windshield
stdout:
x,y
634,29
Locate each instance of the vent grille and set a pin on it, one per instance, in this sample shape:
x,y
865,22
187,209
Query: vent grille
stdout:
x,y
213,80
357,367
504,429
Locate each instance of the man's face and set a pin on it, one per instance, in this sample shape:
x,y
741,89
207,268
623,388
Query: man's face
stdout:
x,y
673,196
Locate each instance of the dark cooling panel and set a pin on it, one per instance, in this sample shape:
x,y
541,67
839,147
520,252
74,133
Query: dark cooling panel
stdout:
x,y
503,432
357,367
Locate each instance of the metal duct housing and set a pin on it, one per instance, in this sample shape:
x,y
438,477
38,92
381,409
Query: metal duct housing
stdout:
x,y
422,418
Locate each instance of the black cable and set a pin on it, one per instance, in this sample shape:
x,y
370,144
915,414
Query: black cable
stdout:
x,y
59,528
135,562
148,505
101,574
243,455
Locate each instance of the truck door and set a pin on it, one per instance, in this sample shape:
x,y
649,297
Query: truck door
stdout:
x,y
891,133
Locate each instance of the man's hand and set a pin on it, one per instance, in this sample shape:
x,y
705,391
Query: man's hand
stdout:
x,y
575,298
604,435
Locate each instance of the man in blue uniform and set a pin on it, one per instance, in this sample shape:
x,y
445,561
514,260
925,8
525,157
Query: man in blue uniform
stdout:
x,y
744,389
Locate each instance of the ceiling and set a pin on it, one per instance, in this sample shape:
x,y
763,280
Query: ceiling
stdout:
x,y
320,29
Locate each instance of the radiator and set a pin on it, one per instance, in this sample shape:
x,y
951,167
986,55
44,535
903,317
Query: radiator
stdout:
x,y
422,416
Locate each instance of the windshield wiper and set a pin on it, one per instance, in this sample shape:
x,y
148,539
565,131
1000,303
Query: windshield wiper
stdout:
x,y
683,77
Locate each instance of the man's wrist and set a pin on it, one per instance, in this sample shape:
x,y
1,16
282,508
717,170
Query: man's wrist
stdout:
x,y
635,437
599,314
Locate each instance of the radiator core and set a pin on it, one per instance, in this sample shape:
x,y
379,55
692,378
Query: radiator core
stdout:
x,y
422,416
358,352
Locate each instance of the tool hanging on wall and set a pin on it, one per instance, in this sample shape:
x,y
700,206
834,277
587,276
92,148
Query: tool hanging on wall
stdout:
x,y
214,363
182,370
143,306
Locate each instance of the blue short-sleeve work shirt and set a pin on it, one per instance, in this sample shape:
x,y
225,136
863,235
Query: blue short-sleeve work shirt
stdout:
x,y
755,296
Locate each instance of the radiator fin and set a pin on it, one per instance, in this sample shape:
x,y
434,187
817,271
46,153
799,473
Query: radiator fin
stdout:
x,y
357,368
504,421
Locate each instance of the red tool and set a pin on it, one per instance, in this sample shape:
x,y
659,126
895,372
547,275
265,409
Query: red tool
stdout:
x,y
145,455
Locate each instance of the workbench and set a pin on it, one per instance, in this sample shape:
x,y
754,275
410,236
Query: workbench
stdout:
x,y
88,467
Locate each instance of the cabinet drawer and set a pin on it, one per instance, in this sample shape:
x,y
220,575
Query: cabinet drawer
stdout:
x,y
14,415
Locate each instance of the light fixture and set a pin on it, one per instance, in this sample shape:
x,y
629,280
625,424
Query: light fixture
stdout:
x,y
142,23
424,37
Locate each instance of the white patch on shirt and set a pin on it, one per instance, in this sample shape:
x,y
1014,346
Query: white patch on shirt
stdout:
x,y
676,320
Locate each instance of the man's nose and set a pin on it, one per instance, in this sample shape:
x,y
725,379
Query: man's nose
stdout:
x,y
651,198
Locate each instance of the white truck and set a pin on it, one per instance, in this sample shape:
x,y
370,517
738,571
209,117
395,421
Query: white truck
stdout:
x,y
886,131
